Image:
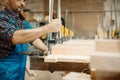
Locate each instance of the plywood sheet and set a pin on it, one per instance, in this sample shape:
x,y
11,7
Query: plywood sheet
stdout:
x,y
67,58
72,50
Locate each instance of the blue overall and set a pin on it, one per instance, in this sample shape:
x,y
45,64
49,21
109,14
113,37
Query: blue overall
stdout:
x,y
13,66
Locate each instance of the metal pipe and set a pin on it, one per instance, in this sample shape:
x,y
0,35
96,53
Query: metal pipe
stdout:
x,y
110,28
49,36
73,22
51,16
59,36
50,10
66,20
59,10
51,6
115,4
49,19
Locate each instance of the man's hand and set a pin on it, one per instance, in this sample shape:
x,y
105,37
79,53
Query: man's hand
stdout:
x,y
40,45
54,26
45,52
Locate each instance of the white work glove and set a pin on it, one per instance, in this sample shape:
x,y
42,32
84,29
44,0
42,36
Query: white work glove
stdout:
x,y
54,26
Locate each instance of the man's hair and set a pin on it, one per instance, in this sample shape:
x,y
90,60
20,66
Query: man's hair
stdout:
x,y
2,2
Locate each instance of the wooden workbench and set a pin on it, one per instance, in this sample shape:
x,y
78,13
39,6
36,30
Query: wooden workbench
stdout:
x,y
73,55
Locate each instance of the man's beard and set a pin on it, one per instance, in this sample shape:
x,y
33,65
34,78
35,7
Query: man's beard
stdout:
x,y
18,10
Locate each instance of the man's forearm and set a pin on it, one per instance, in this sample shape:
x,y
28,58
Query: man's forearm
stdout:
x,y
37,43
24,36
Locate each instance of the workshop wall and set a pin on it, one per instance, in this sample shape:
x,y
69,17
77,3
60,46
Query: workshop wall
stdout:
x,y
80,19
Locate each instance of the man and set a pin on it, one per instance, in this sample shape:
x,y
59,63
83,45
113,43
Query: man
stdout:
x,y
15,32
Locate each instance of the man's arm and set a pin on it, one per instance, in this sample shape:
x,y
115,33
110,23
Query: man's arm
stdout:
x,y
25,36
37,43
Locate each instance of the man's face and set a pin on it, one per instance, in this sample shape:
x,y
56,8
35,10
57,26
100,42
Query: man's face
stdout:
x,y
16,5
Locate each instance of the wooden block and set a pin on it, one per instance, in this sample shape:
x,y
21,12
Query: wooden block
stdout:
x,y
107,46
74,47
72,50
76,76
105,61
80,43
106,65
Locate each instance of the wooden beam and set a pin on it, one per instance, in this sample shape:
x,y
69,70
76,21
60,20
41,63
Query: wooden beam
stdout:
x,y
74,47
37,63
107,46
67,58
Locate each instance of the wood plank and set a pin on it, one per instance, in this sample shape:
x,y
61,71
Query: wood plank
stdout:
x,y
110,61
80,42
107,46
106,65
74,47
76,76
37,64
72,50
67,58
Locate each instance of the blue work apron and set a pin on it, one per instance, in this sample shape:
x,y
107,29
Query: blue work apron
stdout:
x,y
13,66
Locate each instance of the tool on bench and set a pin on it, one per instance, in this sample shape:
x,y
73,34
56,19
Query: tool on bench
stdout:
x,y
38,54
34,53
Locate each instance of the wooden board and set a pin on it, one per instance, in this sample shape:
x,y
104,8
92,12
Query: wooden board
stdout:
x,y
107,46
80,42
67,58
74,47
72,50
76,76
38,64
110,61
73,55
106,65
105,61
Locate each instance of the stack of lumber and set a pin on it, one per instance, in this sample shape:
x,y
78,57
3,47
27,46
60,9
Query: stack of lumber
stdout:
x,y
72,51
108,46
106,60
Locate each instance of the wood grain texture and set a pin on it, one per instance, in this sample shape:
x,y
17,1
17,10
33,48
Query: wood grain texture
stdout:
x,y
37,64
